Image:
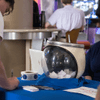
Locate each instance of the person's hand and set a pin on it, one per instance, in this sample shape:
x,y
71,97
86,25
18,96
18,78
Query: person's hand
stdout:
x,y
88,77
98,94
13,82
7,83
47,24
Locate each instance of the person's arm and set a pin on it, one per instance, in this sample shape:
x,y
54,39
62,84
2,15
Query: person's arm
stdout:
x,y
88,77
47,25
7,83
52,20
98,94
88,72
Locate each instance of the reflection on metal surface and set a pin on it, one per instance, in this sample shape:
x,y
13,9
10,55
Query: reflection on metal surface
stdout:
x,y
11,35
32,30
57,43
27,34
30,36
41,35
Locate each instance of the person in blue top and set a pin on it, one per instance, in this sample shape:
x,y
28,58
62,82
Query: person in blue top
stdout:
x,y
92,69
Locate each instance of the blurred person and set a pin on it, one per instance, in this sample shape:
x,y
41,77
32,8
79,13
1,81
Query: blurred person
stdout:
x,y
92,66
98,9
98,24
98,14
66,19
6,6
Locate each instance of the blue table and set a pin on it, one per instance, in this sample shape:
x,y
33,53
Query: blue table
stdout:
x,y
20,94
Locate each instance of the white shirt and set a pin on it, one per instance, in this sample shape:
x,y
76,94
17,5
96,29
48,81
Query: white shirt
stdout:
x,y
1,25
67,19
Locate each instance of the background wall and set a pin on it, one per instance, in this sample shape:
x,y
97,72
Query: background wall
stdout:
x,y
12,52
21,17
48,7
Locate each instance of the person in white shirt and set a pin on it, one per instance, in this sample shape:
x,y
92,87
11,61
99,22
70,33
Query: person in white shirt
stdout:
x,y
66,18
6,6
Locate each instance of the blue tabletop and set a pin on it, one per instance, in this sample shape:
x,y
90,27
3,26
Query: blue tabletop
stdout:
x,y
58,94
